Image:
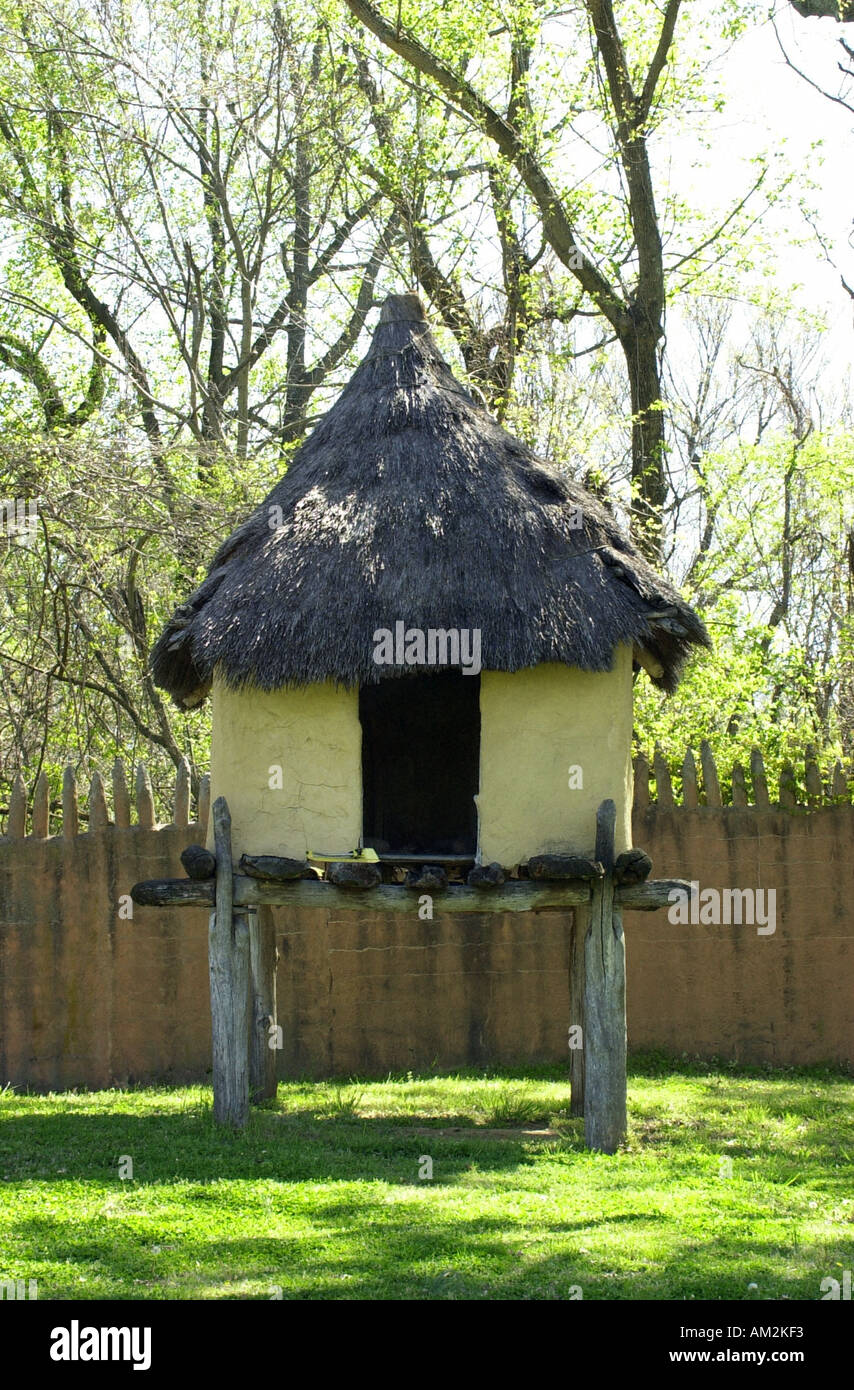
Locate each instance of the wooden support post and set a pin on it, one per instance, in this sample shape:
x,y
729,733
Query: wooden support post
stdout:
x,y
263,1079
229,970
605,1002
577,936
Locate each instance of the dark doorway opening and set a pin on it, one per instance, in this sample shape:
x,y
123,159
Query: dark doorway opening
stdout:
x,y
421,763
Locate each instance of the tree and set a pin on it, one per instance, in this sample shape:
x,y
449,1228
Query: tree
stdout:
x,y
178,164
187,262
844,97
629,85
766,506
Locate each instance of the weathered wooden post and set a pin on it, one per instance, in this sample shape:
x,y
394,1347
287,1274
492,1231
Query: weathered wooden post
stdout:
x,y
144,798
605,1002
263,1080
228,938
577,947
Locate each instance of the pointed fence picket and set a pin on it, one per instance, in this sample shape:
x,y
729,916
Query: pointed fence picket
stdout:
x,y
70,821
33,816
663,785
739,785
690,790
653,786
758,778
181,801
809,793
121,798
710,775
16,826
41,807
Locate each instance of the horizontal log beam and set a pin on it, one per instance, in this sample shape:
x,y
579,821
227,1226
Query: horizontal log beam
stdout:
x,y
251,892
514,896
173,892
646,897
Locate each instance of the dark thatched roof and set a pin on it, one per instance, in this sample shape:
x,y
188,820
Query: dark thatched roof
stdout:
x,y
408,502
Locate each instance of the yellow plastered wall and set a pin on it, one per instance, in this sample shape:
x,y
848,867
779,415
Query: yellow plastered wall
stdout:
x,y
534,726
313,734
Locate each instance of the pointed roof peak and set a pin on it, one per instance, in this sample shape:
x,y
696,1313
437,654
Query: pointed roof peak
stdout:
x,y
403,308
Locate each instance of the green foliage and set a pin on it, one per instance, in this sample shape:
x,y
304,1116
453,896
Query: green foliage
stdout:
x,y
737,697
84,598
775,587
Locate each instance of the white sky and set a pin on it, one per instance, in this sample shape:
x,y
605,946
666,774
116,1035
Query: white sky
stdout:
x,y
770,107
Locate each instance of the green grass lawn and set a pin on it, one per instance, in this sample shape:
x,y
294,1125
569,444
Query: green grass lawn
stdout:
x,y
729,1179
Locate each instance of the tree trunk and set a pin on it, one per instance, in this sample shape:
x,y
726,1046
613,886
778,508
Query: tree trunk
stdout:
x,y
649,486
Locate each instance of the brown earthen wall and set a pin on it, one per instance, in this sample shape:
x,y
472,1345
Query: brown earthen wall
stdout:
x,y
86,997
90,999
786,998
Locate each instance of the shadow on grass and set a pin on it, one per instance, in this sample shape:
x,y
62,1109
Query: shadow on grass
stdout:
x,y
721,1115
660,1065
82,1147
476,1231
374,1254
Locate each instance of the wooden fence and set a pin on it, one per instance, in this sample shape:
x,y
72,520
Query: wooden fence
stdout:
x,y
700,786
38,813
90,996
706,791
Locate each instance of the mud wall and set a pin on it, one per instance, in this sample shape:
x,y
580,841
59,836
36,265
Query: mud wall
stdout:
x,y
90,996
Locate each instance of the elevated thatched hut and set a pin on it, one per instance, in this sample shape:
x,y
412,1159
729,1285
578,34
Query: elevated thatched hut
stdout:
x,y
325,631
